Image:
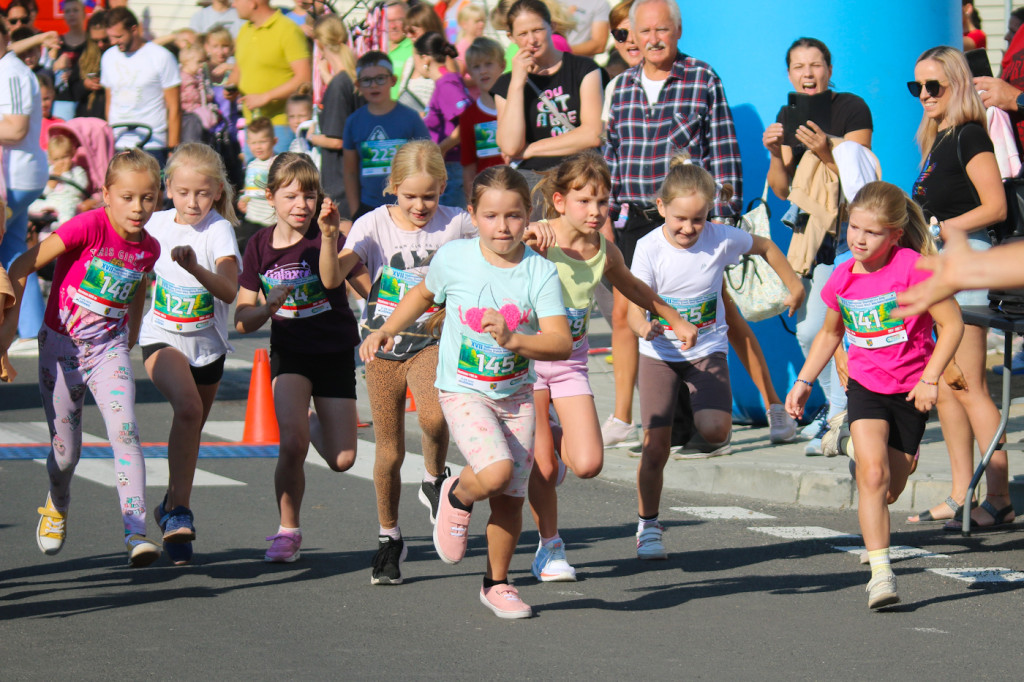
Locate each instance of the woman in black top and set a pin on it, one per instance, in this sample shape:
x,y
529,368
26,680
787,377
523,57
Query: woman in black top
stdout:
x,y
960,188
528,129
809,65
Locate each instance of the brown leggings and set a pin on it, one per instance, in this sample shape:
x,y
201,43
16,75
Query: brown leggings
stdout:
x,y
386,381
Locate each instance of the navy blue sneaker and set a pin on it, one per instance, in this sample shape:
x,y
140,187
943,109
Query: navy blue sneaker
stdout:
x,y
177,524
180,553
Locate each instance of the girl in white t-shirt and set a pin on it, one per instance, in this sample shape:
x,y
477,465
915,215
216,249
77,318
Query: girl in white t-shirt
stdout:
x,y
396,244
684,263
184,335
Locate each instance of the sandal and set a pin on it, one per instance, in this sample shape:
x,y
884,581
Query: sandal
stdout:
x,y
998,518
956,507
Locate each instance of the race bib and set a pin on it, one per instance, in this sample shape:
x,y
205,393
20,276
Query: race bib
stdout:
x,y
307,299
394,283
181,309
701,311
487,367
869,322
579,320
486,139
376,155
107,289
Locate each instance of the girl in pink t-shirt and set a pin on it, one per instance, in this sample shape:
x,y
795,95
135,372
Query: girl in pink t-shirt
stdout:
x,y
894,365
91,322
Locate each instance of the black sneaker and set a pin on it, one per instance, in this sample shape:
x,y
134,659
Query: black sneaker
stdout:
x,y
430,493
387,561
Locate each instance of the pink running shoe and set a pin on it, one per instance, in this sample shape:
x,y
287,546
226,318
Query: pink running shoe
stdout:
x,y
284,548
504,601
451,527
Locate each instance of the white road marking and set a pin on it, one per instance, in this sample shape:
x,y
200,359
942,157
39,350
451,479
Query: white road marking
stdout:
x,y
981,575
228,431
896,552
722,513
102,471
802,532
237,363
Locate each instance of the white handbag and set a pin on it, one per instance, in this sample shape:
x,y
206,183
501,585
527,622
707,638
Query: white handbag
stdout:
x,y
755,287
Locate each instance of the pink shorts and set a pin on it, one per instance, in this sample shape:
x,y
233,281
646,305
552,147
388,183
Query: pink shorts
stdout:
x,y
488,431
564,378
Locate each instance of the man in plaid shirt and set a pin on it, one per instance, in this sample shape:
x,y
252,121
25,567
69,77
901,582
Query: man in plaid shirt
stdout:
x,y
667,104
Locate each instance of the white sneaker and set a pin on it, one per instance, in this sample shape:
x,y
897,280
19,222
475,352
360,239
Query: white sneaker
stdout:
x,y
818,425
649,545
781,427
550,565
837,430
882,591
618,434
24,348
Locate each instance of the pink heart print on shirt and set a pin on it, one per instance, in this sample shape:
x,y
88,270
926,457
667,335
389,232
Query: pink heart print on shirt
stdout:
x,y
473,317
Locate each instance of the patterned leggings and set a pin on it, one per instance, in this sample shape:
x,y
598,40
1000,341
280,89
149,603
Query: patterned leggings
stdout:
x,y
66,368
386,381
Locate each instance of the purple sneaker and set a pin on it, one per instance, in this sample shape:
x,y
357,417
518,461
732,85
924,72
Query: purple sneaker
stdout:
x,y
284,547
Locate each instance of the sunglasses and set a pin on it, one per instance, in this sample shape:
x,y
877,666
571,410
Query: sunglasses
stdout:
x,y
620,34
369,81
933,88
17,20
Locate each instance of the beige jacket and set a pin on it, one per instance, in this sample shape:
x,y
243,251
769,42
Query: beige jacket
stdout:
x,y
815,189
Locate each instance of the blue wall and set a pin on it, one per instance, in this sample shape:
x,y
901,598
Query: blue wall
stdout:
x,y
874,47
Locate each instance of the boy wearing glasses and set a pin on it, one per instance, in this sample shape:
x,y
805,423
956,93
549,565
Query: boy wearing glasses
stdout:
x,y
373,133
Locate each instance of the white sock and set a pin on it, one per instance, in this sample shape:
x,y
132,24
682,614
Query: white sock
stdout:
x,y
282,529
393,533
428,478
616,420
645,523
548,541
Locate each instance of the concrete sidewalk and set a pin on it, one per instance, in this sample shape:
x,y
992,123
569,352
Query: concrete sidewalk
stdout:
x,y
782,473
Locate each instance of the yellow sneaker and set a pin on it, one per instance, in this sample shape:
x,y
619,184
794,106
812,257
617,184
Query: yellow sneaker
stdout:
x,y
52,528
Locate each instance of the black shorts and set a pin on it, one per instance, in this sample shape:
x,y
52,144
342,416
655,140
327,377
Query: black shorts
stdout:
x,y
906,423
207,375
333,375
639,224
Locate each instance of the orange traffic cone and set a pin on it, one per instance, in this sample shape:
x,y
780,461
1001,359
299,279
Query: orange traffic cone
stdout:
x,y
260,420
412,401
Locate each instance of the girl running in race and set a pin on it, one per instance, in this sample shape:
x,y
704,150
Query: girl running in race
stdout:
x,y
498,294
397,243
684,262
312,336
894,365
576,196
91,322
185,333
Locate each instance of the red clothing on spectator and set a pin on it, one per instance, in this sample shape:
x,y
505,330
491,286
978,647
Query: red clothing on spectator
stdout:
x,y
1012,71
477,124
44,134
978,36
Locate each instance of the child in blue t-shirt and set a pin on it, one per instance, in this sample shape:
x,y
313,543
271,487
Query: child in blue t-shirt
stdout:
x,y
499,293
373,133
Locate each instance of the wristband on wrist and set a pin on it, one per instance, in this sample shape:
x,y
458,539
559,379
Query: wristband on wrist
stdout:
x,y
929,383
804,381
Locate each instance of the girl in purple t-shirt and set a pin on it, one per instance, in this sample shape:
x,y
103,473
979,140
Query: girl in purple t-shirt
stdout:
x,y
894,365
288,277
446,105
91,322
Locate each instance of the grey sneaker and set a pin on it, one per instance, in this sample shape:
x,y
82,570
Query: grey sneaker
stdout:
x,y
618,434
781,427
882,591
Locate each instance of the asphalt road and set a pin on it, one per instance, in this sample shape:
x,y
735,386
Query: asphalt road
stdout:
x,y
729,603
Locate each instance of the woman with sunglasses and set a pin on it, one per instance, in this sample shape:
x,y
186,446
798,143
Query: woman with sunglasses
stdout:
x,y
549,105
625,45
960,188
809,66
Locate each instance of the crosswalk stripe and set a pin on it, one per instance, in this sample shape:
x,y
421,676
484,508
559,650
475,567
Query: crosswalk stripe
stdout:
x,y
102,471
981,575
722,513
412,467
802,532
896,552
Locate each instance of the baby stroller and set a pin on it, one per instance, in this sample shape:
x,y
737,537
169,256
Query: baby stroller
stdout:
x,y
95,149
